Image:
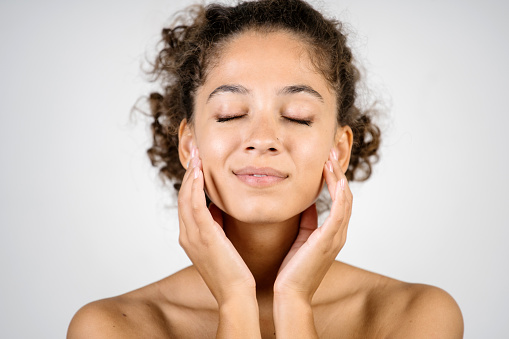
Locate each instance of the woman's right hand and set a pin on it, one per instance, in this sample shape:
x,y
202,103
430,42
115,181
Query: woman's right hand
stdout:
x,y
203,239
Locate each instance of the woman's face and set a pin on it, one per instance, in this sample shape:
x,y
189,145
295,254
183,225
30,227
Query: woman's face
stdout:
x,y
264,124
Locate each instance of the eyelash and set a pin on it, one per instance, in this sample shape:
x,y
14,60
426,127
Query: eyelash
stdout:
x,y
298,121
224,119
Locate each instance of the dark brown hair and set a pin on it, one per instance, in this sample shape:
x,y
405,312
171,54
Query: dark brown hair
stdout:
x,y
195,38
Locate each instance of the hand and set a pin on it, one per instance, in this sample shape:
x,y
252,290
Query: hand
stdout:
x,y
315,249
204,241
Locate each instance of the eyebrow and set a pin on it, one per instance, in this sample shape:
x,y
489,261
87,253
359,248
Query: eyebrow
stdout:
x,y
239,89
300,89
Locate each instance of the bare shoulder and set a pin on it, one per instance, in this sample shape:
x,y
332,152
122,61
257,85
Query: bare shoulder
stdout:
x,y
389,308
425,311
158,310
132,315
98,319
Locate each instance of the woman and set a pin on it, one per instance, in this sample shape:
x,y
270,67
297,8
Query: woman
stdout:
x,y
258,113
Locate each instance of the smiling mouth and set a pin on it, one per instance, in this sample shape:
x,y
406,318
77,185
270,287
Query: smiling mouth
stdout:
x,y
260,177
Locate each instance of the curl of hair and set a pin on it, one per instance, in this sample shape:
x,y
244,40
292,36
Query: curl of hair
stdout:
x,y
193,42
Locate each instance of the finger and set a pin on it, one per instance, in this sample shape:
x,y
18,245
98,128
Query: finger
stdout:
x,y
337,221
330,176
347,206
185,189
334,167
338,171
186,220
183,204
334,221
202,216
344,188
190,163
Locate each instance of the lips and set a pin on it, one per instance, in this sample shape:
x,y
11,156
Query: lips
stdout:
x,y
260,171
260,176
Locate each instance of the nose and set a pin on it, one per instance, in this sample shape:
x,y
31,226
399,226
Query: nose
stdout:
x,y
263,137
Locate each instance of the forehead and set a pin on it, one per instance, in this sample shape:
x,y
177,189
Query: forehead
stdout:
x,y
275,58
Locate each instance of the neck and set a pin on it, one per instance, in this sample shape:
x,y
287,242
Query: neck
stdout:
x,y
263,247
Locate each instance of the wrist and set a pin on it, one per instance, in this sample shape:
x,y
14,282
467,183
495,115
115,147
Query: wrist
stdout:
x,y
286,310
238,301
291,304
292,296
233,297
239,318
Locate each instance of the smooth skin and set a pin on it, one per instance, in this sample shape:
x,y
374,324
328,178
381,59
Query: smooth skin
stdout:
x,y
262,268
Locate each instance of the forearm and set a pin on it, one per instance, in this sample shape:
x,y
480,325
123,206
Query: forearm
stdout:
x,y
239,318
293,318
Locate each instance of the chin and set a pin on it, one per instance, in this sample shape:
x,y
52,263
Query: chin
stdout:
x,y
265,217
264,211
259,220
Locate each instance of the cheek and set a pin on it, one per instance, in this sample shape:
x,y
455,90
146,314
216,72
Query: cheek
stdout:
x,y
314,151
214,148
311,160
314,168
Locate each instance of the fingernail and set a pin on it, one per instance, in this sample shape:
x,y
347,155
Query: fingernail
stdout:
x,y
194,161
196,172
187,166
334,154
329,166
342,184
193,151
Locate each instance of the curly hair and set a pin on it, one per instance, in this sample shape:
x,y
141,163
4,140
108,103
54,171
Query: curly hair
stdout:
x,y
193,42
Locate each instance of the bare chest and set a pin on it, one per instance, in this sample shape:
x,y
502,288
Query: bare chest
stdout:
x,y
330,322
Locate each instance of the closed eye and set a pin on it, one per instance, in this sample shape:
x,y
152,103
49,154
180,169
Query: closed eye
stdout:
x,y
228,118
232,117
300,121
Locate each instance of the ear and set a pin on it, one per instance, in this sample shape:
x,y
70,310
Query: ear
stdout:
x,y
186,142
343,142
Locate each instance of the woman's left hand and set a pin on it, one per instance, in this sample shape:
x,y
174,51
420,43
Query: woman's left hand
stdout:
x,y
315,249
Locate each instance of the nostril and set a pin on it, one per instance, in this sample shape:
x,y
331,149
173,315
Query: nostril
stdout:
x,y
272,149
250,148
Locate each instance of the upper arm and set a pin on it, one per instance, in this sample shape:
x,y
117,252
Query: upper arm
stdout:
x,y
430,313
96,321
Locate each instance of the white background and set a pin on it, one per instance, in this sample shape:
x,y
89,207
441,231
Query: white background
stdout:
x,y
83,216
